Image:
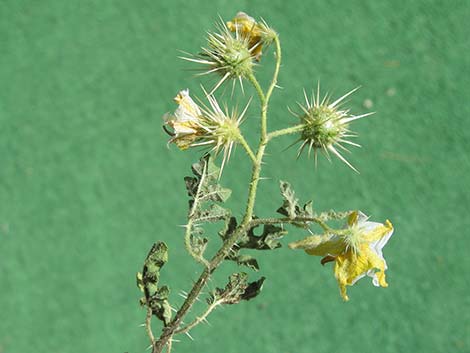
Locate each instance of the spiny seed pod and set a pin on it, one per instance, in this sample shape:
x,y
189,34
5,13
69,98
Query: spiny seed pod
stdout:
x,y
325,126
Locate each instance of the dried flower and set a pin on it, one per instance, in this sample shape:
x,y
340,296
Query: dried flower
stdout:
x,y
204,126
257,33
325,126
356,250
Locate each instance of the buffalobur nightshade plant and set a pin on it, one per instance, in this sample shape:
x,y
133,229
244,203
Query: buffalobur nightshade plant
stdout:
x,y
323,125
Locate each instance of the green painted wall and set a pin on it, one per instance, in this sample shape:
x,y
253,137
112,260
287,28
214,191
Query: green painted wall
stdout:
x,y
87,182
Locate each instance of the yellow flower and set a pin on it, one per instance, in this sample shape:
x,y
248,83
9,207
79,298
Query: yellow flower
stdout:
x,y
356,250
257,33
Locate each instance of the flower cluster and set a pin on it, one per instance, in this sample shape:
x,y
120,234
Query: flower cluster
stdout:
x,y
356,250
324,125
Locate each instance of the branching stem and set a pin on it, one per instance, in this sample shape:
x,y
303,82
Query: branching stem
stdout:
x,y
247,148
260,221
199,319
286,131
148,326
222,253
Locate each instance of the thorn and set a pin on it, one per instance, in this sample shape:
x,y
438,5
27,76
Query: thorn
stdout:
x,y
175,340
207,322
335,103
142,325
191,337
149,347
173,309
265,178
182,295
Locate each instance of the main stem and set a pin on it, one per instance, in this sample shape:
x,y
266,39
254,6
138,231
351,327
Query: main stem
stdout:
x,y
222,253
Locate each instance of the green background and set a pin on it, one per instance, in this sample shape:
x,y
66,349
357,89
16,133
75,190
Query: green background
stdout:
x,y
87,182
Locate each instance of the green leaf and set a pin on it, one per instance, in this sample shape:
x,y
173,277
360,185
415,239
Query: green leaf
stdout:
x,y
244,260
291,203
212,214
268,240
204,186
156,297
237,289
253,289
205,193
229,228
291,207
155,260
198,244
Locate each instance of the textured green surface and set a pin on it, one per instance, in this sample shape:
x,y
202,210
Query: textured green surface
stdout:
x,y
87,183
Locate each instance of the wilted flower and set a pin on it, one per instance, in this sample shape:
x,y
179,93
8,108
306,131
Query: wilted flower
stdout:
x,y
203,126
185,122
325,126
257,33
356,250
229,55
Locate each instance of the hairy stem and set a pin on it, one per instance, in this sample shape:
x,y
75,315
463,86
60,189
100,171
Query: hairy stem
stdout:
x,y
199,319
260,221
286,131
169,330
264,105
247,148
148,326
276,69
222,253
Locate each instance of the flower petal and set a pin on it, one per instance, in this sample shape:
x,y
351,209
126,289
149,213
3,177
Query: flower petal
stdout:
x,y
350,267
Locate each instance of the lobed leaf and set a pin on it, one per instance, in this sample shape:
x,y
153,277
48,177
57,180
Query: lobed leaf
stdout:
x,y
237,289
291,208
155,297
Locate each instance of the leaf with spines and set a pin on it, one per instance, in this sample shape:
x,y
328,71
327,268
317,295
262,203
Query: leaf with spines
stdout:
x,y
204,186
236,290
205,193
